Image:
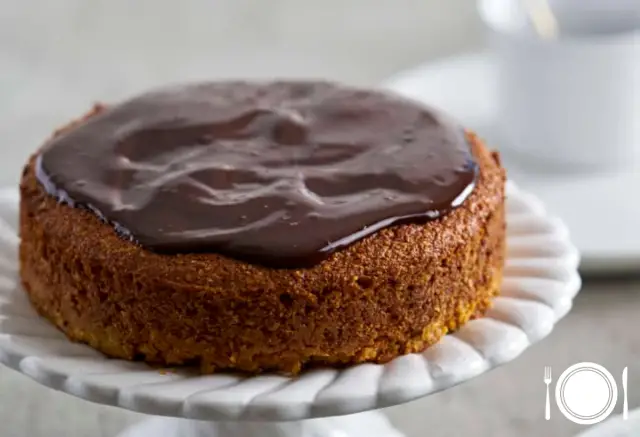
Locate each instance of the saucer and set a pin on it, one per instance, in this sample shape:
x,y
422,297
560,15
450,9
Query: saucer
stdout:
x,y
599,209
616,427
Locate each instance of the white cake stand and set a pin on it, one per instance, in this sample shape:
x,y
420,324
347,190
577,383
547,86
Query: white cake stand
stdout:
x,y
540,283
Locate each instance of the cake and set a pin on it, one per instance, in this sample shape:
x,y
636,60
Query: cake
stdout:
x,y
262,226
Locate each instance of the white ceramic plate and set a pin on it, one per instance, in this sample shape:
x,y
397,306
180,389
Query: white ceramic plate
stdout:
x,y
599,210
540,283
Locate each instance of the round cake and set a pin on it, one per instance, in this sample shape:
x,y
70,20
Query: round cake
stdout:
x,y
262,226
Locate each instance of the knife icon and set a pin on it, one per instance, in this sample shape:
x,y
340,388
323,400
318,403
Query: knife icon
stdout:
x,y
625,405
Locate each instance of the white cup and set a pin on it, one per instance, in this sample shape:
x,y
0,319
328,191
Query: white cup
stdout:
x,y
571,102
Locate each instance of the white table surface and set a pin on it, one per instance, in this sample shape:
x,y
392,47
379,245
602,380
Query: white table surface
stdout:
x,y
57,57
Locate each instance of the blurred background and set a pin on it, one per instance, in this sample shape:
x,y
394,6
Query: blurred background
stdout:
x,y
58,57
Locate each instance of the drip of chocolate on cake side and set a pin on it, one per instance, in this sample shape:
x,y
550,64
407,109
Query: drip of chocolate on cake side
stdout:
x,y
280,173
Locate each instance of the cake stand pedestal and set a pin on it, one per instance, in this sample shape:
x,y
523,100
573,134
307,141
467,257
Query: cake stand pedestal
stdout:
x,y
370,424
540,282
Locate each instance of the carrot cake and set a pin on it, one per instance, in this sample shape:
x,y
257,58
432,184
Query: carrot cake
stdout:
x,y
262,226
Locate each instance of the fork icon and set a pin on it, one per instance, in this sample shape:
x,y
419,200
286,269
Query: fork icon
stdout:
x,y
547,381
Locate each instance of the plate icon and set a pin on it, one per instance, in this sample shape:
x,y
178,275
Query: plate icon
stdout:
x,y
586,393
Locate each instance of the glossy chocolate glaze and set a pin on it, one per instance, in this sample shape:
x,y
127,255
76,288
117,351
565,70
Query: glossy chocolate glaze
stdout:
x,y
280,174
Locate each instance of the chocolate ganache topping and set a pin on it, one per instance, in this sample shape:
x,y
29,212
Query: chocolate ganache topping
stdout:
x,y
280,174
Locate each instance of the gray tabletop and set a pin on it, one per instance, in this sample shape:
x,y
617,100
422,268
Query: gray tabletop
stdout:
x,y
59,57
